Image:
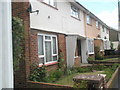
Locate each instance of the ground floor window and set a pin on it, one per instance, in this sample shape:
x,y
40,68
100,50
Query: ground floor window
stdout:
x,y
90,46
106,45
47,48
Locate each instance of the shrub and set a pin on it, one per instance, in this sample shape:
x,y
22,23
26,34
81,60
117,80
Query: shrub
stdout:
x,y
98,56
90,59
18,42
38,74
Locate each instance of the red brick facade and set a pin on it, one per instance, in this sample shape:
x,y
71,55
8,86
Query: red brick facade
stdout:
x,y
34,47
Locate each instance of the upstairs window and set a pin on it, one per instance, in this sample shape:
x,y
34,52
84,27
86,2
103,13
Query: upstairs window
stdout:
x,y
103,28
97,24
107,31
89,19
74,12
50,2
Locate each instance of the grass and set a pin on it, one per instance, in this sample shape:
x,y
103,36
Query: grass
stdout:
x,y
68,80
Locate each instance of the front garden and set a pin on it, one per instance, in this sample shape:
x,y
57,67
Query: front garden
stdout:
x,y
65,77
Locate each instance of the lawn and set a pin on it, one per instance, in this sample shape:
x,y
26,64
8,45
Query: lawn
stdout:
x,y
68,80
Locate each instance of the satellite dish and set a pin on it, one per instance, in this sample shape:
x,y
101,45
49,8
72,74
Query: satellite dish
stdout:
x,y
31,11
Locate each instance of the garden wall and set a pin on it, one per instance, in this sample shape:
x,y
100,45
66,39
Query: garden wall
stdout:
x,y
31,84
115,79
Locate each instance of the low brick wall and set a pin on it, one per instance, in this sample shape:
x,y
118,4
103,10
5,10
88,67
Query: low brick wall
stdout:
x,y
103,62
31,84
112,56
114,82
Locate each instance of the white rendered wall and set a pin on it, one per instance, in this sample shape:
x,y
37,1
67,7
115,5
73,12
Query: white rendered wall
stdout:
x,y
6,61
60,20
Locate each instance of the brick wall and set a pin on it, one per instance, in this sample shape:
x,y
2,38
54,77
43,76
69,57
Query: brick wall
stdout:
x,y
34,47
19,9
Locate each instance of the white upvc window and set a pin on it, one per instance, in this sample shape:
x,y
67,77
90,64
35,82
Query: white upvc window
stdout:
x,y
50,2
88,19
47,48
97,25
90,46
75,11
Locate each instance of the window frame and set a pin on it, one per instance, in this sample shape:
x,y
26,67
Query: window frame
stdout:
x,y
97,24
91,49
89,20
77,10
44,56
49,3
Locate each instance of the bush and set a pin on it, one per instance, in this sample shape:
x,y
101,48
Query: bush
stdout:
x,y
38,74
18,42
99,57
90,59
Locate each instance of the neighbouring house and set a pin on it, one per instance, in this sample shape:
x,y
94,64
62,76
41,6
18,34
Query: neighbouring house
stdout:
x,y
97,33
114,38
6,59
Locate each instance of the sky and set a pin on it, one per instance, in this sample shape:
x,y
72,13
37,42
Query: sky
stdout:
x,y
106,10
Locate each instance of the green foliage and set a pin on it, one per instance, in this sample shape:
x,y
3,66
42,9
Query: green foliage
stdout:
x,y
38,74
55,75
81,84
83,70
18,41
90,59
98,56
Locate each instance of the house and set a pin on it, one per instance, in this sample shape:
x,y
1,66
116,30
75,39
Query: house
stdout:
x,y
58,28
6,60
97,33
114,38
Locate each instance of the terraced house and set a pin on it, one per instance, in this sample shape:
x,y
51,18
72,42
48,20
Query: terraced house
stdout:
x,y
64,28
58,28
97,33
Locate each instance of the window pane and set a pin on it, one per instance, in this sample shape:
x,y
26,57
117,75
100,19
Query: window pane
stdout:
x,y
54,58
54,46
48,51
40,45
41,60
47,38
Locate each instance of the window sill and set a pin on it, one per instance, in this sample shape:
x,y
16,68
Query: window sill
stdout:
x,y
76,57
89,24
50,5
49,64
76,18
91,53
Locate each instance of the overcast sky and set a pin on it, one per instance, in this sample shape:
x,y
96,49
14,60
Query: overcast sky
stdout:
x,y
106,10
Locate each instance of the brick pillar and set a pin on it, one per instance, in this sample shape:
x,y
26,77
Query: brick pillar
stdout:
x,y
62,46
19,9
